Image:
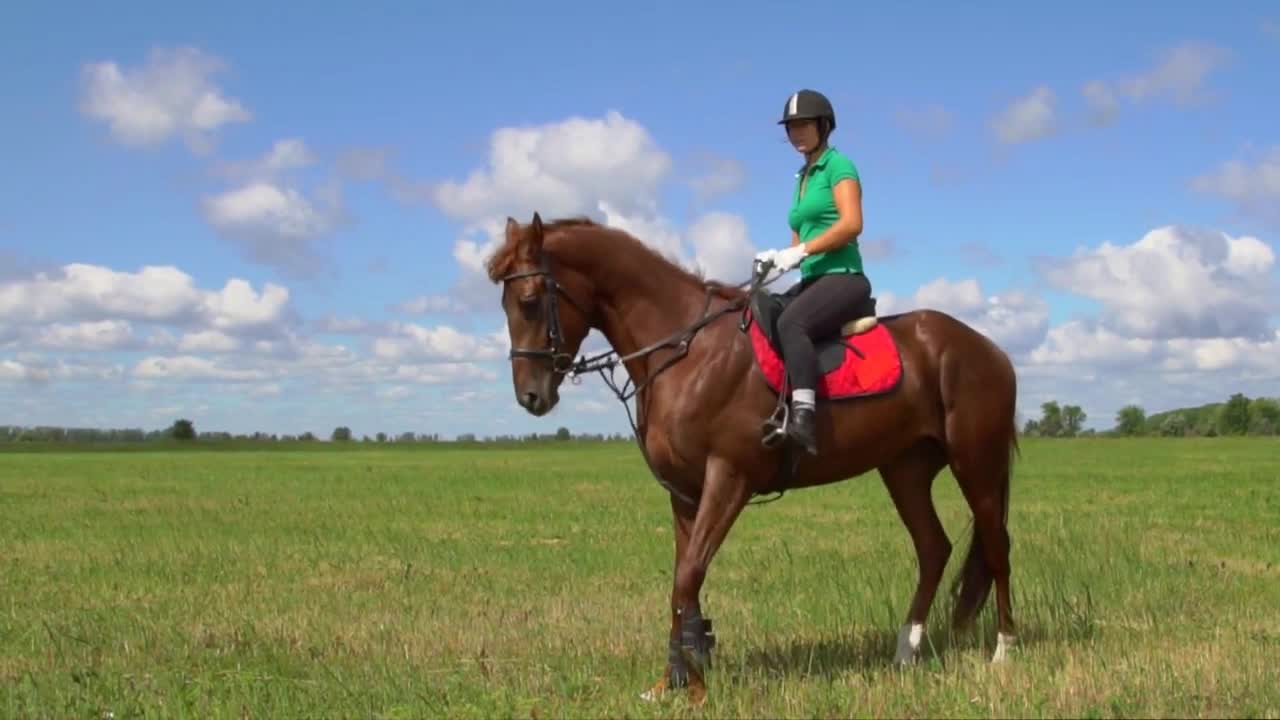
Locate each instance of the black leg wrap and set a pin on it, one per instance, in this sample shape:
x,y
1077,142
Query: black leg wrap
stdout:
x,y
696,639
679,677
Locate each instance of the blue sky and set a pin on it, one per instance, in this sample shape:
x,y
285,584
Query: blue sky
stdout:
x,y
1003,151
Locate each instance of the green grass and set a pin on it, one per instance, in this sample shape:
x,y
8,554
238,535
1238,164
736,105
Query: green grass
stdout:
x,y
460,582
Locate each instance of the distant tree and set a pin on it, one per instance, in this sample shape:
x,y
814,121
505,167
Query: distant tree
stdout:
x,y
1174,426
563,434
1073,418
1264,416
1131,420
183,429
341,433
307,436
1032,428
1234,419
382,437
1050,419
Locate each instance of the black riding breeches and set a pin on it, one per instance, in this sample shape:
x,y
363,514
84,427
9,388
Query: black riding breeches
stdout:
x,y
822,306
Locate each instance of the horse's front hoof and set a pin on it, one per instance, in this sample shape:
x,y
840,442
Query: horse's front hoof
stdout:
x,y
655,693
697,694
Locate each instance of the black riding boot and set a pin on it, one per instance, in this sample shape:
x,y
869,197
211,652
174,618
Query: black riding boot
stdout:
x,y
802,429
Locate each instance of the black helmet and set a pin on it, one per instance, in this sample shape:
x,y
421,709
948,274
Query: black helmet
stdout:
x,y
808,104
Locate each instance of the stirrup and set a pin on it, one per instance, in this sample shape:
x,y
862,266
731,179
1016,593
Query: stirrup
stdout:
x,y
774,429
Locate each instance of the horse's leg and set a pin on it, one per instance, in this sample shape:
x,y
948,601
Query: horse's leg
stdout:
x,y
676,674
724,493
909,479
981,463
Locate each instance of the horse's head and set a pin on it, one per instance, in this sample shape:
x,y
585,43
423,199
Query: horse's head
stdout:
x,y
545,334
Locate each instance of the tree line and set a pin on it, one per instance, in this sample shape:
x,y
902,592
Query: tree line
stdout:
x,y
184,430
1238,415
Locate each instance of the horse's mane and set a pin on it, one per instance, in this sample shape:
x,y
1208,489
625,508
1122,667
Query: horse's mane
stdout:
x,y
502,261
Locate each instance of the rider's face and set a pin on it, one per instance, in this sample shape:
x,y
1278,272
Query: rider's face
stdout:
x,y
803,135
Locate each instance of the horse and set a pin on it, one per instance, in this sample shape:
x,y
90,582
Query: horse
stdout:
x,y
940,394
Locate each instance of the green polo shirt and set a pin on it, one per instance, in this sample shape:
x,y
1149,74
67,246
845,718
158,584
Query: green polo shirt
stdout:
x,y
815,211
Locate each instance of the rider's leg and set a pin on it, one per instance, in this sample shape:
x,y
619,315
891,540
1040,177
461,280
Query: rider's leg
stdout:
x,y
816,314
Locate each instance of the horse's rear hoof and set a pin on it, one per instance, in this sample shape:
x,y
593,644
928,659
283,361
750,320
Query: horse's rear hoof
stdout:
x,y
1004,648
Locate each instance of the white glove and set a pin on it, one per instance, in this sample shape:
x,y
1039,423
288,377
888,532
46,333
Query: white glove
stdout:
x,y
766,256
789,258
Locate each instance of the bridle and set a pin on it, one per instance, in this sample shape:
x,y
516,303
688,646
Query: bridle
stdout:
x,y
563,363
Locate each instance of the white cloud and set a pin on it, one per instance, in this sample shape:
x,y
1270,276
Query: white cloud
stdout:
x,y
1027,118
208,341
38,369
172,93
961,297
1102,102
425,304
435,373
927,122
1176,282
608,168
559,169
1188,317
238,307
1179,74
650,228
409,341
593,407
879,248
155,294
192,367
285,155
1014,320
395,392
1212,354
275,225
94,336
1078,342
722,246
1253,187
720,176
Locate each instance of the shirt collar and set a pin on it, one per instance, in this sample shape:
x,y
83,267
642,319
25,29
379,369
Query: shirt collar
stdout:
x,y
821,162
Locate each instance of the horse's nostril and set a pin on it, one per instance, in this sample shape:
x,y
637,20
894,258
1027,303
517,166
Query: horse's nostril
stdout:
x,y
530,398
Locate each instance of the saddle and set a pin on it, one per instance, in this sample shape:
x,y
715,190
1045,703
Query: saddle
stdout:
x,y
766,307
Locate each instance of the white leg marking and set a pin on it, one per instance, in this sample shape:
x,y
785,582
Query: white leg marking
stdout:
x,y
908,643
1004,646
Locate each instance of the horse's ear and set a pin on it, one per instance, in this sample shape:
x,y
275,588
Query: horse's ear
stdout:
x,y
512,230
532,244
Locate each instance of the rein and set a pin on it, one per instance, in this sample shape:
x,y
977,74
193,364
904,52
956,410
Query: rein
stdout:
x,y
563,363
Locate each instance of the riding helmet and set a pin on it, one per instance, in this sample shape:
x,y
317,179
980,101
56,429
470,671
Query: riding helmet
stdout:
x,y
808,104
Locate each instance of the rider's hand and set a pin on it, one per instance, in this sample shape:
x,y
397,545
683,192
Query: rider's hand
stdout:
x,y
789,258
766,256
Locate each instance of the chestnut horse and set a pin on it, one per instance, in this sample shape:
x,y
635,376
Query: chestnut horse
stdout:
x,y
701,396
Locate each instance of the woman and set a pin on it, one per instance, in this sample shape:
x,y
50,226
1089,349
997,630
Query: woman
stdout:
x,y
825,220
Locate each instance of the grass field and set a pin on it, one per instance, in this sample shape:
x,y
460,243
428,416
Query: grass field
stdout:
x,y
437,581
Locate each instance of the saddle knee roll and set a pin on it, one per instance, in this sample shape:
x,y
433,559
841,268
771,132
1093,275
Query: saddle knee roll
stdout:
x,y
858,326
